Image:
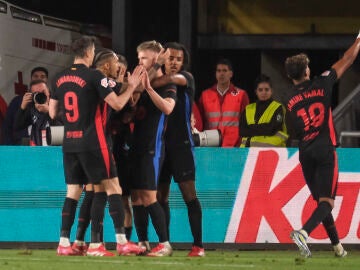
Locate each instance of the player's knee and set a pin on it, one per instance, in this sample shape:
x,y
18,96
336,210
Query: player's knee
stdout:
x,y
327,202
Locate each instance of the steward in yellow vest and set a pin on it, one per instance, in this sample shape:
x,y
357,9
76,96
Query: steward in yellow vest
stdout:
x,y
263,122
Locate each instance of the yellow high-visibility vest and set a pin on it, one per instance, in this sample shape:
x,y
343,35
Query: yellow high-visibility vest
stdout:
x,y
278,139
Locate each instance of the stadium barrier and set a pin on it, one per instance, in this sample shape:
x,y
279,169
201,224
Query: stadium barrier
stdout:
x,y
249,196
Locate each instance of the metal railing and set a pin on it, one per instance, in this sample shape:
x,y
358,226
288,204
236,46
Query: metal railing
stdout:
x,y
347,119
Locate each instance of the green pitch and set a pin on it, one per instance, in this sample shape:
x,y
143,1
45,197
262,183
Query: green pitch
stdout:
x,y
214,260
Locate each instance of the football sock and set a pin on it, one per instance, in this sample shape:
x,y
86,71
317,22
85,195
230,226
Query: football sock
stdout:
x,y
97,216
158,220
84,215
195,220
116,210
128,231
68,216
166,208
331,230
323,209
141,222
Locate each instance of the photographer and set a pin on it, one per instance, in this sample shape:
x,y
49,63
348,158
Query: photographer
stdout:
x,y
34,113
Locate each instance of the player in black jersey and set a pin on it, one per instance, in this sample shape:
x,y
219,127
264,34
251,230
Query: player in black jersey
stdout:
x,y
81,91
308,104
179,156
105,62
147,150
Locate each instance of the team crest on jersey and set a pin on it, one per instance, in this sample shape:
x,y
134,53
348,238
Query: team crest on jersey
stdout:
x,y
104,82
325,73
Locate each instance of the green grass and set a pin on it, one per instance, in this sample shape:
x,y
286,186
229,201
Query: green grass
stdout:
x,y
222,260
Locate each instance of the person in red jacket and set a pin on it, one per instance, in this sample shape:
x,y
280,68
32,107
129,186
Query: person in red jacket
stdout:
x,y
221,105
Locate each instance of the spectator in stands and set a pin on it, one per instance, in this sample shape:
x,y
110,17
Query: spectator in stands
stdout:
x,y
263,122
34,112
19,137
221,105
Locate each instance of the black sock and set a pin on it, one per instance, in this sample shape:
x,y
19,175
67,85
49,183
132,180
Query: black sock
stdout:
x,y
117,213
323,209
68,216
166,208
141,222
128,231
97,216
330,228
84,215
158,220
195,220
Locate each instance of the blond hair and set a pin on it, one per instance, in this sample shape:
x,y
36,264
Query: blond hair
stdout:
x,y
151,45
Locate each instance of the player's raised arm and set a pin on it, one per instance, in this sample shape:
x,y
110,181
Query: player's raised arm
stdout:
x,y
348,58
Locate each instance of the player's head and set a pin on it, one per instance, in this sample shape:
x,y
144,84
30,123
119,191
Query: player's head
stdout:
x,y
148,52
123,66
107,62
179,58
84,48
263,87
297,67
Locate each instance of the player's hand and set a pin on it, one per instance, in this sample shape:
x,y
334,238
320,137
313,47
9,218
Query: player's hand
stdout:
x,y
136,77
163,56
146,82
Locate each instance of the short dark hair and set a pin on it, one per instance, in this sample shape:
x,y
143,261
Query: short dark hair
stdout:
x,y
42,69
262,78
180,47
35,82
103,55
122,60
296,65
80,45
226,62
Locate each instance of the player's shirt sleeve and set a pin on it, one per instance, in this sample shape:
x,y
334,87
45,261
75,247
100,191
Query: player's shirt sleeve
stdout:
x,y
190,81
169,91
101,84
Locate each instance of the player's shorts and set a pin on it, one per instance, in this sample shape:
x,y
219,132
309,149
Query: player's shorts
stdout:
x,y
89,167
179,163
320,169
145,170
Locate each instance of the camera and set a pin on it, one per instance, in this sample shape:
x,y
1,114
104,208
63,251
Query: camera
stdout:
x,y
39,98
211,137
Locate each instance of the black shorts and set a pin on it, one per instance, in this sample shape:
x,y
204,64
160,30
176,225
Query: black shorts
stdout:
x,y
89,167
179,163
145,170
320,169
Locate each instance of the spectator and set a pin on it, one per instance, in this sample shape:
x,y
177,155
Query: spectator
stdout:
x,y
221,105
19,137
34,112
263,122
